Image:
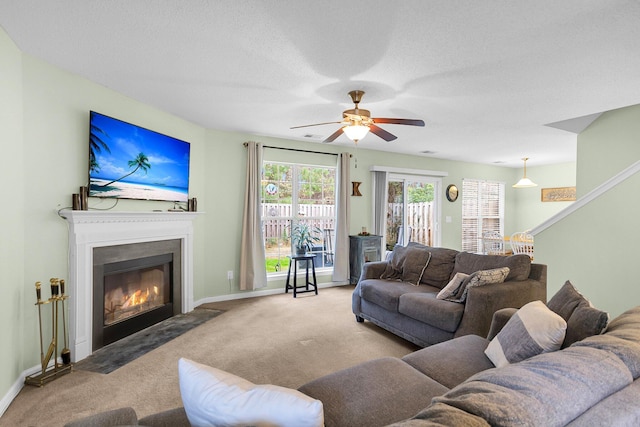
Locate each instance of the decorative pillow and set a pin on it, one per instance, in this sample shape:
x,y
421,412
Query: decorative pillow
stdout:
x,y
480,278
566,300
415,263
583,320
452,287
393,270
532,330
407,263
212,397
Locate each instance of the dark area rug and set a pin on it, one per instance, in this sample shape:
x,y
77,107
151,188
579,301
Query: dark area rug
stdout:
x,y
117,354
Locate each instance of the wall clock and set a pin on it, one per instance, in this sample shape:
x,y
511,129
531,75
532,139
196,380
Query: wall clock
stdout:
x,y
452,193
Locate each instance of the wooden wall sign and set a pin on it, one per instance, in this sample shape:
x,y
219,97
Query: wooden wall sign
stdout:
x,y
355,188
559,194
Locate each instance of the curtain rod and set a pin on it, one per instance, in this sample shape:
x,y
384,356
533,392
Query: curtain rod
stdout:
x,y
297,149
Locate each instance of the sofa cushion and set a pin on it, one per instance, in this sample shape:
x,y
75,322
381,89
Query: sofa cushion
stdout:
x,y
426,308
583,320
387,294
213,397
452,287
441,415
438,272
452,362
519,265
534,392
532,330
621,338
407,263
373,393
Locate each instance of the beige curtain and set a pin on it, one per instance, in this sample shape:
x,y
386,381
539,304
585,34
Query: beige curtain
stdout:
x,y
341,259
253,273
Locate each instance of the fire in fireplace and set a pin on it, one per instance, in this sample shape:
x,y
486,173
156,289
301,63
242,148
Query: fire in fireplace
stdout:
x,y
133,291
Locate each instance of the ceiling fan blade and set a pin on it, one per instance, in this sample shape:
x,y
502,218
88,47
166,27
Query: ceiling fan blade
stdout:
x,y
334,135
410,122
382,133
315,124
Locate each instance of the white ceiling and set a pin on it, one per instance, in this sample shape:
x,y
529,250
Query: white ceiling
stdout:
x,y
486,77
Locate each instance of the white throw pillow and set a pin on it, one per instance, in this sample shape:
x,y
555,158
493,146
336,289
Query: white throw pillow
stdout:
x,y
452,287
532,330
212,397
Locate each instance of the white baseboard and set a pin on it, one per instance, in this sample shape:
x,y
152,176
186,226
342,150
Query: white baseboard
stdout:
x,y
17,386
259,293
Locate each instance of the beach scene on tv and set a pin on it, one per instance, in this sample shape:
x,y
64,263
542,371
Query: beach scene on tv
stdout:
x,y
130,162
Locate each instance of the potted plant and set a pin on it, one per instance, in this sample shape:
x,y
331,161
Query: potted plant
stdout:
x,y
303,236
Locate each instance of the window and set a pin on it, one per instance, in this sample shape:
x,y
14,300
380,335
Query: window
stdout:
x,y
411,205
297,194
482,210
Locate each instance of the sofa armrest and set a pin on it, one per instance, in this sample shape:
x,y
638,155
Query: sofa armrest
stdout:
x,y
373,270
483,301
500,318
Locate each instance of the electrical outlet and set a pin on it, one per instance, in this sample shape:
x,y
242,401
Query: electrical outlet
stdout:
x,y
230,274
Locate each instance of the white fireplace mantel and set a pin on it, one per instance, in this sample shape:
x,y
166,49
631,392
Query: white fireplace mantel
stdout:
x,y
91,229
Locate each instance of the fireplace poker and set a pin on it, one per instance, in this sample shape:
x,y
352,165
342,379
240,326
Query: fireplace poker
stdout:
x,y
65,354
39,304
52,345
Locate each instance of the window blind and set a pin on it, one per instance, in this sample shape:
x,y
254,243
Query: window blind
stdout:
x,y
482,210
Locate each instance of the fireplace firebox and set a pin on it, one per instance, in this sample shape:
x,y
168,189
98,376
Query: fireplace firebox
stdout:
x,y
134,286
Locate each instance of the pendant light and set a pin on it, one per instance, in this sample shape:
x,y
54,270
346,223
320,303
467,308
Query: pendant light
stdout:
x,y
524,181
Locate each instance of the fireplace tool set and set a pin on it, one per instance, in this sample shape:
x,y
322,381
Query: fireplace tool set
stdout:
x,y
57,301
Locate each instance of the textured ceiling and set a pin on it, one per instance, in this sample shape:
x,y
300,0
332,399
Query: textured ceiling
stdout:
x,y
486,77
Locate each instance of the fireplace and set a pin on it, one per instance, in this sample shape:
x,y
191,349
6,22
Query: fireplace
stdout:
x,y
134,287
93,234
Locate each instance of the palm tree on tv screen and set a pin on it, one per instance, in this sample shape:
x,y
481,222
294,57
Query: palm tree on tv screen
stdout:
x,y
96,145
140,162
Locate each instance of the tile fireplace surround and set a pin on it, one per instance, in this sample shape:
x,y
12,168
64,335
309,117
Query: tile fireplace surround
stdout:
x,y
91,229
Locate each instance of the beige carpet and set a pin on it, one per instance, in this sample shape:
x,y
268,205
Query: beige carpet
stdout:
x,y
267,340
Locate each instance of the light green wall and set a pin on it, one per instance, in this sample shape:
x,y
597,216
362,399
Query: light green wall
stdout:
x,y
607,146
12,226
528,200
595,246
45,129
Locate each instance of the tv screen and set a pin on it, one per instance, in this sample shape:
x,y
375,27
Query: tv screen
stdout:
x,y
130,162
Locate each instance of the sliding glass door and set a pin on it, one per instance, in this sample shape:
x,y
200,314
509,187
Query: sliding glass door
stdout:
x,y
412,210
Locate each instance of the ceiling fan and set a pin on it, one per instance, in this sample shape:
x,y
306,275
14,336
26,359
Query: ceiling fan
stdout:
x,y
356,123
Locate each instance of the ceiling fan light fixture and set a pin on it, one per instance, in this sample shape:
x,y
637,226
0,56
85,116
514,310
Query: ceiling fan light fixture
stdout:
x,y
525,182
356,132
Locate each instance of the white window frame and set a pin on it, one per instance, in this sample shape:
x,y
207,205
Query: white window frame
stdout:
x,y
295,208
477,211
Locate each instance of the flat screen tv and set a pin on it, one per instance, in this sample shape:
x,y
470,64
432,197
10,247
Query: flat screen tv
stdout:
x,y
130,162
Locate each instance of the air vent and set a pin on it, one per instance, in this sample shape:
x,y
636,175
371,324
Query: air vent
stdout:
x,y
312,136
427,152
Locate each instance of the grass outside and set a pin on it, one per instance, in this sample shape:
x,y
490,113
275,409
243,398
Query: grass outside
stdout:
x,y
275,264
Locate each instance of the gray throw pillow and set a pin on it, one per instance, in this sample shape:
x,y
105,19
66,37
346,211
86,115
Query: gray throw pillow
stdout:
x,y
565,300
393,270
583,320
407,264
533,329
415,263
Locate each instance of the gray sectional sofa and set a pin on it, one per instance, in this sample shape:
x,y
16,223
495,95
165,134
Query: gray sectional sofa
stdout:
x,y
400,295
593,380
